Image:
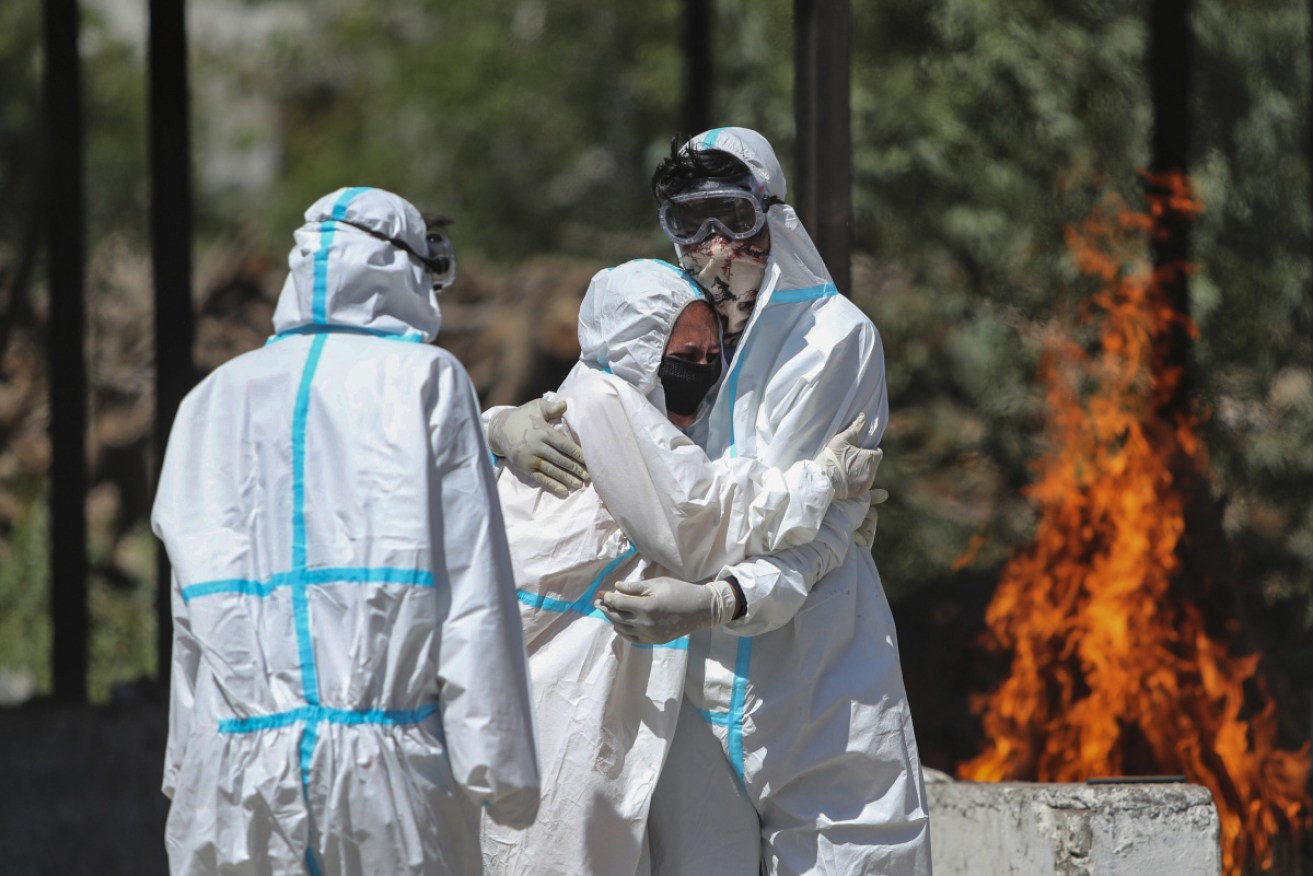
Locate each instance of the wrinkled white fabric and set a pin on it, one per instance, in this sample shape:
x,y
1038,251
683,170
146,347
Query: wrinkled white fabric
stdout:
x,y
805,691
349,682
606,709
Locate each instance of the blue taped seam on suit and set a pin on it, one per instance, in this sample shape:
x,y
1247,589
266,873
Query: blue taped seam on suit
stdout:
x,y
692,284
680,644
319,301
317,329
328,575
344,200
587,599
309,736
720,718
709,141
584,604
300,601
315,714
549,603
299,416
327,230
811,293
737,697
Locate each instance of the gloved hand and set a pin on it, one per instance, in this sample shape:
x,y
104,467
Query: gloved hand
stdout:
x,y
848,465
661,610
530,446
864,534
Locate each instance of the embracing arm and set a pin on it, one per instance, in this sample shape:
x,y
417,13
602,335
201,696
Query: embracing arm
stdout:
x,y
845,380
524,437
680,509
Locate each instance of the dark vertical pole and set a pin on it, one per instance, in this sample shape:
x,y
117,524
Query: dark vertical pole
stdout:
x,y
822,112
698,68
170,236
1169,75
65,246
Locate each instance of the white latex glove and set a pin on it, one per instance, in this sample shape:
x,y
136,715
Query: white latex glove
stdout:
x,y
660,610
848,465
528,443
864,534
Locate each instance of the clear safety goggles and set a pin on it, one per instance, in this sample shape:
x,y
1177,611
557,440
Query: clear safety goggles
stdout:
x,y
439,261
689,217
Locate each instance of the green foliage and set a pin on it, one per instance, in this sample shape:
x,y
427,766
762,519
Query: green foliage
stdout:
x,y
20,121
530,123
25,628
980,130
122,646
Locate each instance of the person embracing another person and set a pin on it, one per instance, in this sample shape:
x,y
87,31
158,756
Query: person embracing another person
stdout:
x,y
794,750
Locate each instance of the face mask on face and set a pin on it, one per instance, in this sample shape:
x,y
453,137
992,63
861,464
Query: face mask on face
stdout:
x,y
731,272
686,383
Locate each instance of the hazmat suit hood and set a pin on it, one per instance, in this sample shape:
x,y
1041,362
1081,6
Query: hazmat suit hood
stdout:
x,y
344,279
626,318
794,262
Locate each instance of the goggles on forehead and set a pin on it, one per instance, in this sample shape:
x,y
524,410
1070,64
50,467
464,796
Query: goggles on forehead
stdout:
x,y
689,217
439,261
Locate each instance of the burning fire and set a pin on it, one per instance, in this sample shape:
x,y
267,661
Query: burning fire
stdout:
x,y
1113,672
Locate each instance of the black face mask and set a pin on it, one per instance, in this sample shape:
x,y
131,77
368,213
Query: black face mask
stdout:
x,y
686,384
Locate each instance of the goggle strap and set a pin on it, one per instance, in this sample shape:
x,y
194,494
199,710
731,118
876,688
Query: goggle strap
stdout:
x,y
440,264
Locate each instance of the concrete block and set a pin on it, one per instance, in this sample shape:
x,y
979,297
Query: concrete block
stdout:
x,y
1029,829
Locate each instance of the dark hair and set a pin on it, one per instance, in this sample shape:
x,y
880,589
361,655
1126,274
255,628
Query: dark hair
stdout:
x,y
683,167
435,222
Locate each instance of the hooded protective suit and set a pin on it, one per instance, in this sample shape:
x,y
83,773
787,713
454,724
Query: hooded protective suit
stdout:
x,y
349,681
805,692
606,709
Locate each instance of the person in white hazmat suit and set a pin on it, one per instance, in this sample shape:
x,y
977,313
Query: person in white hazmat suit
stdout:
x,y
349,683
804,692
606,708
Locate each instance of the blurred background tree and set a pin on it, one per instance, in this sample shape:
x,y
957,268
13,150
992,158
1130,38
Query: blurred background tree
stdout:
x,y
980,130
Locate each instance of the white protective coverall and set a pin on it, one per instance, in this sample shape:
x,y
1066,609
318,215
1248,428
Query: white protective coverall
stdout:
x,y
349,681
805,692
606,709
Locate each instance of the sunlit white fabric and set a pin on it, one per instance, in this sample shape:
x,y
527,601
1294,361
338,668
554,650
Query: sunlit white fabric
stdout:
x,y
348,682
805,692
607,709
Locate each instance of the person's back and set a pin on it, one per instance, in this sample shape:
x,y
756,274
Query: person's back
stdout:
x,y
349,677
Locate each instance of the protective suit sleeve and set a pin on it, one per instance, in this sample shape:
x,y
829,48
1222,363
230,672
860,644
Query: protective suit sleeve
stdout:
x,y
843,380
776,587
184,666
679,508
484,700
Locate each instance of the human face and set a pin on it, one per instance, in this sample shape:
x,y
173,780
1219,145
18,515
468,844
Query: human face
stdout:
x,y
695,339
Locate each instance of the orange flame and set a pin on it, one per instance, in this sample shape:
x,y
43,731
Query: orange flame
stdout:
x,y
1112,672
